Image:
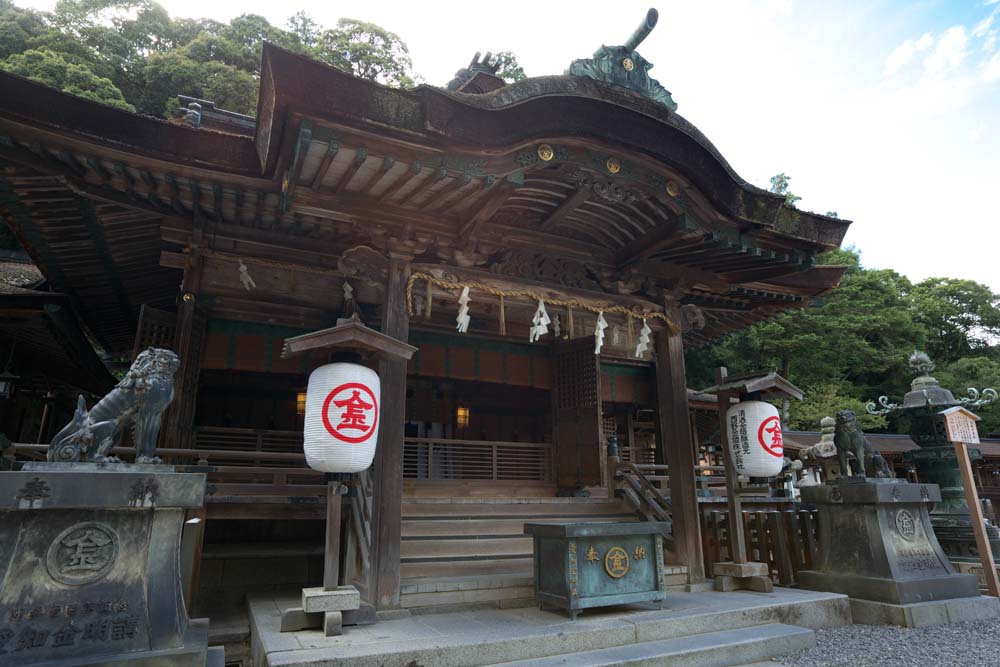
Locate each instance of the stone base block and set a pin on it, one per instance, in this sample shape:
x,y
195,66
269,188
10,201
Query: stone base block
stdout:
x,y
739,569
341,598
891,591
333,623
756,583
295,619
924,614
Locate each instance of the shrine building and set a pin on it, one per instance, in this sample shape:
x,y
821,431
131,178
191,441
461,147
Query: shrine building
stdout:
x,y
598,232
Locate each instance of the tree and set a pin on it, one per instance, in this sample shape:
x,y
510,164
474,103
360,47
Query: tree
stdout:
x,y
825,400
779,186
367,51
17,28
508,68
306,29
51,69
857,338
977,372
167,74
962,317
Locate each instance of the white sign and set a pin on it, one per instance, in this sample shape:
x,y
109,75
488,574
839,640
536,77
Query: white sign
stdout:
x,y
754,430
961,425
342,415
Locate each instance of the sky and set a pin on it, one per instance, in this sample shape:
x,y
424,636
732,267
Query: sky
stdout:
x,y
886,112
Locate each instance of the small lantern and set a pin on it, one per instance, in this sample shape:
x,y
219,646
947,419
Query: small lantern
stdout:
x,y
342,413
754,430
300,404
462,417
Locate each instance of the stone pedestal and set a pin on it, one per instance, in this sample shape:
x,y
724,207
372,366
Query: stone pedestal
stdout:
x,y
89,560
877,545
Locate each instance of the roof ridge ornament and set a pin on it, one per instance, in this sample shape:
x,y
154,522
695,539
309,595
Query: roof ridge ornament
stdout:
x,y
623,66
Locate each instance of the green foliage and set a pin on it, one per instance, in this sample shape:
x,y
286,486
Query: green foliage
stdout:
x,y
961,316
779,186
978,373
509,69
51,69
854,345
824,400
17,28
149,58
367,51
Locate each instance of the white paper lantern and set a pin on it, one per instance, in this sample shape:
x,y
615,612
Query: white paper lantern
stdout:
x,y
343,404
754,430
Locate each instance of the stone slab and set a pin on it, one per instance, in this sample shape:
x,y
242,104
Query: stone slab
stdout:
x,y
340,599
740,569
713,648
489,636
925,614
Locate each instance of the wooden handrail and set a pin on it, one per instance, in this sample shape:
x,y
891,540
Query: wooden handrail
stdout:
x,y
485,443
234,454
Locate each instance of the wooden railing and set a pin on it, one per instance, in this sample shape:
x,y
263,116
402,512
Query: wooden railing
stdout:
x,y
787,540
441,459
635,484
219,439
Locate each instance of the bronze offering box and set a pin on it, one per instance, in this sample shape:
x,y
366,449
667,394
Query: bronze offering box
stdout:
x,y
583,565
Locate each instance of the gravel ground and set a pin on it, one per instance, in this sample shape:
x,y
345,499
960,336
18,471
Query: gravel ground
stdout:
x,y
962,644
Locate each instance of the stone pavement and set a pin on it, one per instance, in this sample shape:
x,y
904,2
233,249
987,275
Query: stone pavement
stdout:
x,y
489,636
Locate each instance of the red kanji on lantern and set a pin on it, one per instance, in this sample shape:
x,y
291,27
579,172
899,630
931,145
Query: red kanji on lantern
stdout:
x,y
772,442
358,408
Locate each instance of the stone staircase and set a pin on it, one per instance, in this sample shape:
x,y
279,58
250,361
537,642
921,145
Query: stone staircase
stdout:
x,y
473,551
723,648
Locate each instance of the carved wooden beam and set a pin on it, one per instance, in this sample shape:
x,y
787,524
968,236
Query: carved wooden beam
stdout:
x,y
568,205
360,156
643,246
387,163
491,201
291,178
332,148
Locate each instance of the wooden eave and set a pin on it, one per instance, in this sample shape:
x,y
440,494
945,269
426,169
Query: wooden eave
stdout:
x,y
49,341
337,161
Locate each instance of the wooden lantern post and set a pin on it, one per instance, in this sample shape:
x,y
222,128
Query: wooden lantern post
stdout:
x,y
739,573
962,432
352,336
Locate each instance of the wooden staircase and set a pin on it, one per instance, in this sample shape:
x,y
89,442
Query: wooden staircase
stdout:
x,y
464,551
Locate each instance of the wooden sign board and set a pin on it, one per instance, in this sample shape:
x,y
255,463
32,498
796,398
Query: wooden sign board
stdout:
x,y
961,425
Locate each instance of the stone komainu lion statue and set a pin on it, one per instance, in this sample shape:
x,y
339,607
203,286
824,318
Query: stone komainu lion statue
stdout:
x,y
849,438
139,400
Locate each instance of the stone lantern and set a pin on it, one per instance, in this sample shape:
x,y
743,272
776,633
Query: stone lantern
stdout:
x,y
935,460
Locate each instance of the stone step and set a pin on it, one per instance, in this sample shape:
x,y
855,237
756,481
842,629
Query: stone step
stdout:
x,y
481,526
452,508
724,648
483,567
433,549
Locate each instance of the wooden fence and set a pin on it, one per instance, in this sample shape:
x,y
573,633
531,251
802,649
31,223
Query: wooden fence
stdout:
x,y
441,459
787,540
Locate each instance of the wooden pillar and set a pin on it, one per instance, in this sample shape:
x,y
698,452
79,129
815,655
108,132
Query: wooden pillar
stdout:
x,y
677,448
178,430
388,490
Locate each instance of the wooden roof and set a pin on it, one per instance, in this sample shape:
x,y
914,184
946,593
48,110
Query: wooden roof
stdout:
x,y
558,181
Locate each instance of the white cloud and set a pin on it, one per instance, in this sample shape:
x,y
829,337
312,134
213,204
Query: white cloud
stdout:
x,y
976,133
949,53
904,53
991,71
